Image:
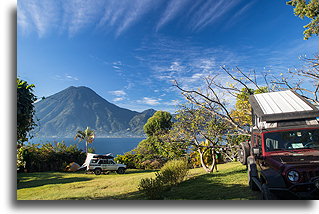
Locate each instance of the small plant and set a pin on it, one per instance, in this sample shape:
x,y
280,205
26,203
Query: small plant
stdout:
x,y
172,173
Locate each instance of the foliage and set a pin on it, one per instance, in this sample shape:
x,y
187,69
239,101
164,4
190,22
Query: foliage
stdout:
x,y
91,150
172,173
196,127
25,110
242,112
157,124
87,135
129,159
154,151
309,9
48,157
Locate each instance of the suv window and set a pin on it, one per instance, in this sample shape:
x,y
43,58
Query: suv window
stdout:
x,y
106,161
94,160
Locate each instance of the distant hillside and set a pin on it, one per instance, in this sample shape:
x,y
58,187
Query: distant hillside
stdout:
x,y
75,108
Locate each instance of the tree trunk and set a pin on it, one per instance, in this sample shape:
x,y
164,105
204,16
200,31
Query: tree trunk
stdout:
x,y
205,167
86,147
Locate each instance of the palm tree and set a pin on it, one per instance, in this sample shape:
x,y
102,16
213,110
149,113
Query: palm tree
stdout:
x,y
87,135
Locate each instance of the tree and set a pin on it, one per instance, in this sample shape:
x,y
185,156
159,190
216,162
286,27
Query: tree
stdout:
x,y
154,151
304,80
242,111
87,135
197,128
159,123
25,110
309,9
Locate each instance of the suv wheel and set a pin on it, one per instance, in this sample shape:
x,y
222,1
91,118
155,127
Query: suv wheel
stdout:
x,y
266,194
120,171
97,171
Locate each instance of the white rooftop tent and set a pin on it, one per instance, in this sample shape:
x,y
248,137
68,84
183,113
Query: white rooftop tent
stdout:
x,y
282,105
89,157
282,109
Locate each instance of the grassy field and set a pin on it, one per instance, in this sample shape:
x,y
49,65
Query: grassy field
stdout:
x,y
229,183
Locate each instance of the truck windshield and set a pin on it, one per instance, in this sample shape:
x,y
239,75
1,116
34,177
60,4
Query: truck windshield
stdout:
x,y
291,140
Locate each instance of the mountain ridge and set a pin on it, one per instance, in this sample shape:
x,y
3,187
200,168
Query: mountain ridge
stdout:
x,y
75,108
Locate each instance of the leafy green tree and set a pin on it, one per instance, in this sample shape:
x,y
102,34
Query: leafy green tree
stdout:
x,y
25,110
159,123
309,9
197,128
87,135
242,112
155,150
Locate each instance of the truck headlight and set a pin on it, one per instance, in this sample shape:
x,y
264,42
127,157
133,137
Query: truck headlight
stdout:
x,y
293,176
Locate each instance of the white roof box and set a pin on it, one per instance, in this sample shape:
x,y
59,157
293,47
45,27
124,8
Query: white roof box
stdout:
x,y
282,105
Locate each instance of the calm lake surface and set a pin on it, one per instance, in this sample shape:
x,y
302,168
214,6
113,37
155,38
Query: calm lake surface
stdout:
x,y
116,146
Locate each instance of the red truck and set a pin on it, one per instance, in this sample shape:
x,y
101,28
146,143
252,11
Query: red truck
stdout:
x,y
282,156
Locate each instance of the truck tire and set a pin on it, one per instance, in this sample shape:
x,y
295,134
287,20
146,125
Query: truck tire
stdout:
x,y
243,152
97,171
266,194
252,172
120,170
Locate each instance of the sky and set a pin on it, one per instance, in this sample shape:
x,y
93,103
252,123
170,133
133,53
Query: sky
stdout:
x,y
129,51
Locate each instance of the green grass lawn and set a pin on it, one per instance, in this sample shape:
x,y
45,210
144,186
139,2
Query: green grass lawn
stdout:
x,y
229,183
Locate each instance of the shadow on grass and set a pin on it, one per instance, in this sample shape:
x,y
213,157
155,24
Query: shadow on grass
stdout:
x,y
137,195
201,187
212,187
41,179
139,171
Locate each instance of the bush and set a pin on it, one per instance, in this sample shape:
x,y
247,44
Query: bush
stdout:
x,y
48,157
153,188
172,173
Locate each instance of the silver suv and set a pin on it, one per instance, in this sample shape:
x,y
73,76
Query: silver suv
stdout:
x,y
99,165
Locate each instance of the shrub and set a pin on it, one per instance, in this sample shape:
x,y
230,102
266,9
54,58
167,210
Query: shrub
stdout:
x,y
172,173
153,188
129,159
48,157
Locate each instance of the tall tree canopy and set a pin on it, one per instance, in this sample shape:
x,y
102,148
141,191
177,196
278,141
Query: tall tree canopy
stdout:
x,y
309,9
160,122
25,110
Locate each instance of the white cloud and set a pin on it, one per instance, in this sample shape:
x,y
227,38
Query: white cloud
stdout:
x,y
65,77
116,16
149,101
172,10
118,93
210,12
118,99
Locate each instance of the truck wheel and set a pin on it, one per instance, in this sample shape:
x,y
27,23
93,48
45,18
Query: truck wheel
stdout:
x,y
266,194
97,171
252,185
120,171
243,153
252,172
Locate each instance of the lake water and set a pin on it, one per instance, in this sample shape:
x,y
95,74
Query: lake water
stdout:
x,y
115,146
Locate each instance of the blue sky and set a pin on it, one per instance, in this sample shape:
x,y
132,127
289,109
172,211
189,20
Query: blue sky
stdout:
x,y
129,51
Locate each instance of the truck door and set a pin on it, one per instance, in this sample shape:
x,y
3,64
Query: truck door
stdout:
x,y
111,165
